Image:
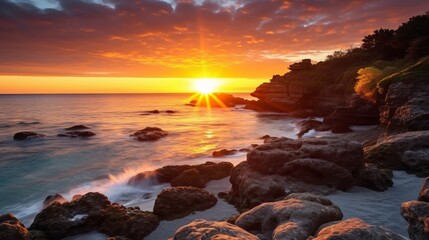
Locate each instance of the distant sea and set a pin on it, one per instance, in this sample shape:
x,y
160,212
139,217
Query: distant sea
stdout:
x,y
31,170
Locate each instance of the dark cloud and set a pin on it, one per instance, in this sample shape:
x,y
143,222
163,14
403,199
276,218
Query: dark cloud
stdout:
x,y
185,38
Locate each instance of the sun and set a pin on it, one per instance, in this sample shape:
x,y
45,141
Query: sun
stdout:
x,y
205,85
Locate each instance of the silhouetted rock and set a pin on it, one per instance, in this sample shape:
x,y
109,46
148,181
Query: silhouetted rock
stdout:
x,y
307,125
75,134
170,111
356,229
216,100
149,134
224,152
27,135
204,173
340,127
129,222
12,229
375,179
406,151
76,128
53,198
202,229
177,202
296,217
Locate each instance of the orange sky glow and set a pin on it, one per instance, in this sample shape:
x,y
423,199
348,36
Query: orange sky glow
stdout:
x,y
131,46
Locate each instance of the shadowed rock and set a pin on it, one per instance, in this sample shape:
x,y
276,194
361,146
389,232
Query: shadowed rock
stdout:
x,y
224,152
201,229
356,229
149,134
76,128
75,134
27,135
375,179
424,191
177,202
53,198
296,217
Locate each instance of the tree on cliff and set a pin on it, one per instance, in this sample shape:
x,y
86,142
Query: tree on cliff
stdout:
x,y
379,43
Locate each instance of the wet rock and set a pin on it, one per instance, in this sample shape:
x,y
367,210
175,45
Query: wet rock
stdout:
x,y
293,218
251,188
375,179
27,135
177,202
307,125
128,222
203,230
417,215
224,152
149,134
77,127
424,191
79,216
340,127
190,177
74,134
356,229
406,151
267,139
12,229
170,111
206,172
53,198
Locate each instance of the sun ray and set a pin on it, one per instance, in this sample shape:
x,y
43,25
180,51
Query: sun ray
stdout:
x,y
217,100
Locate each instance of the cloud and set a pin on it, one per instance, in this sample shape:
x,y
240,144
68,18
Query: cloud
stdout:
x,y
172,38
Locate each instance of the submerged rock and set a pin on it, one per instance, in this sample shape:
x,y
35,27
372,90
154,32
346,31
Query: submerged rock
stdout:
x,y
12,229
356,229
149,134
75,134
27,135
406,151
53,198
201,229
177,202
76,128
224,152
296,217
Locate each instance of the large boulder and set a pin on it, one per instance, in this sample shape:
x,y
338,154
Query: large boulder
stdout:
x,y
205,230
375,179
177,202
149,134
129,222
296,217
251,188
12,229
417,215
184,175
27,135
356,229
270,158
406,106
406,151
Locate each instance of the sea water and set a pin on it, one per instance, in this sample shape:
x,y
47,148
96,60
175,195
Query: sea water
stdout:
x,y
30,170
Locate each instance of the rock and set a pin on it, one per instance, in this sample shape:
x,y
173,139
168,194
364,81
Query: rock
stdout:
x,y
216,100
76,127
204,230
27,135
251,188
53,198
177,202
79,216
356,229
292,218
307,125
224,152
37,235
170,111
12,229
317,171
340,127
424,191
149,134
417,215
272,158
190,177
375,179
406,106
207,171
267,139
128,222
406,151
75,134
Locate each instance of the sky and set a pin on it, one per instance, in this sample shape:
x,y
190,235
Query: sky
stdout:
x,y
53,46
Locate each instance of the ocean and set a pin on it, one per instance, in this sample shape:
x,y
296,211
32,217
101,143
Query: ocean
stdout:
x,y
33,169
